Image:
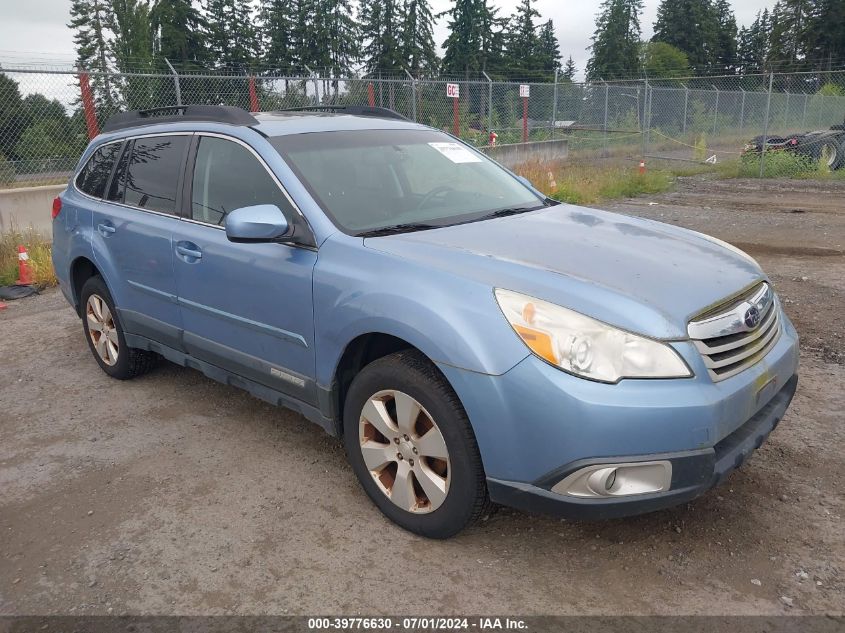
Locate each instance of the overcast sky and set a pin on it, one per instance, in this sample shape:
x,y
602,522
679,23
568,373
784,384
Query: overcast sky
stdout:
x,y
35,31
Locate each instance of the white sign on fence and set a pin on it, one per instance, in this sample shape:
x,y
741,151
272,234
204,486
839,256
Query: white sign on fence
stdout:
x,y
524,90
453,91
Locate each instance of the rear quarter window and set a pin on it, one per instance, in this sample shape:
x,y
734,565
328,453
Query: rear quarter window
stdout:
x,y
93,177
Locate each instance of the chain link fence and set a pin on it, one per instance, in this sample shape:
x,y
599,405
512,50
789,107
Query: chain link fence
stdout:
x,y
47,117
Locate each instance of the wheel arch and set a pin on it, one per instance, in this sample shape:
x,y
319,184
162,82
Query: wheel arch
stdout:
x,y
357,354
81,270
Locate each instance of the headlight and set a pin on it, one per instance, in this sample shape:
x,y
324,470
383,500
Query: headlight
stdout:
x,y
586,347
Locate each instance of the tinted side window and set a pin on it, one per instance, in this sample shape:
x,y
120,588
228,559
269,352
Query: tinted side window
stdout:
x,y
94,176
152,176
227,176
118,181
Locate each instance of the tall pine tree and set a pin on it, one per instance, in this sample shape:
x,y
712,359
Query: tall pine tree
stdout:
x,y
692,27
569,70
521,41
90,21
177,33
725,53
281,34
381,29
419,51
232,38
616,42
548,50
475,38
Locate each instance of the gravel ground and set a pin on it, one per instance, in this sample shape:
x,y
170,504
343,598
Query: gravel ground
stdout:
x,y
174,494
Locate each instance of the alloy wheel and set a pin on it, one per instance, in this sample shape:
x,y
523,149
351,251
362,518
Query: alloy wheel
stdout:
x,y
102,329
404,451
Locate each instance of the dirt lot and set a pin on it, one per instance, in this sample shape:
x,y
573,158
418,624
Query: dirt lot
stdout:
x,y
174,494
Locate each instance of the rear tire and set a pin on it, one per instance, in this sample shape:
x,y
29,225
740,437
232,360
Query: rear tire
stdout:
x,y
831,152
104,333
422,469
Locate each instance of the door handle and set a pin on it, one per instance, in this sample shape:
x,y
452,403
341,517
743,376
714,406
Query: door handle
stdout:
x,y
106,229
189,251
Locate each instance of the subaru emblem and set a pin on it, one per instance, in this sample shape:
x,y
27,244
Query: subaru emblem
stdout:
x,y
752,317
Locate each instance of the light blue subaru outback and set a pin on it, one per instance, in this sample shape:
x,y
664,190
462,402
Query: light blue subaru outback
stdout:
x,y
471,341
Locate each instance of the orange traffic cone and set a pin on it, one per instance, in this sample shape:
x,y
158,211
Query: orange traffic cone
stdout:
x,y
25,277
642,167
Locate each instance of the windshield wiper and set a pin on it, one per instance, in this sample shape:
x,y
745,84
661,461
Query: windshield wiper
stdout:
x,y
501,213
397,228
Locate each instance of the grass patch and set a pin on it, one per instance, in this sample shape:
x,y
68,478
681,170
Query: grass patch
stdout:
x,y
592,183
40,260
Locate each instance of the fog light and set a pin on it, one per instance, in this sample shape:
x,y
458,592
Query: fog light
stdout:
x,y
617,480
611,479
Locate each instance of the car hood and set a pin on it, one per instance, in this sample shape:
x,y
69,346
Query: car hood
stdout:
x,y
638,274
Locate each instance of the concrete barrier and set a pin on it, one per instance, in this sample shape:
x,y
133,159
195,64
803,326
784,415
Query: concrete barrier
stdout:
x,y
514,154
28,207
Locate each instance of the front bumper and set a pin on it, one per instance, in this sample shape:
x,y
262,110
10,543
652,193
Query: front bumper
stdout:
x,y
536,424
693,472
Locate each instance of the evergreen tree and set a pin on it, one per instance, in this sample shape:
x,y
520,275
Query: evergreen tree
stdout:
x,y
339,36
790,20
475,41
381,28
569,70
90,21
692,27
177,34
824,37
419,51
232,38
132,46
753,44
616,42
725,54
522,43
548,50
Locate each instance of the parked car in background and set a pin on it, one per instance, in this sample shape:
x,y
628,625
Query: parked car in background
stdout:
x,y
827,146
471,341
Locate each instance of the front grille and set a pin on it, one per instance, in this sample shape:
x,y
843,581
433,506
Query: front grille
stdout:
x,y
727,343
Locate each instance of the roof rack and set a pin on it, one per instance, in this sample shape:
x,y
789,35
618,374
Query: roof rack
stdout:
x,y
357,110
178,114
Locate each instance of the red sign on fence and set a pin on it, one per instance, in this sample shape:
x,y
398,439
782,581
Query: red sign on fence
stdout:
x,y
453,91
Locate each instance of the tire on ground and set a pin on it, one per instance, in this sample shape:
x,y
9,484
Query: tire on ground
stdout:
x,y
131,362
413,374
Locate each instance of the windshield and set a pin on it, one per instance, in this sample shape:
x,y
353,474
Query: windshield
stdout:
x,y
372,180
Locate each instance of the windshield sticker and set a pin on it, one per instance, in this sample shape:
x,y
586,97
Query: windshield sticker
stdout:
x,y
456,152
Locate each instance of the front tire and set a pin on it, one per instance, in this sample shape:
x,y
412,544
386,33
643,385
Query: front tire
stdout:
x,y
104,334
411,446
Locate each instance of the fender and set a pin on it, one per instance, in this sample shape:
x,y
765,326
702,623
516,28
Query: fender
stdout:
x,y
355,294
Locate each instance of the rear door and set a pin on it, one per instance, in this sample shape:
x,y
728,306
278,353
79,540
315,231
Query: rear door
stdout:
x,y
245,307
134,227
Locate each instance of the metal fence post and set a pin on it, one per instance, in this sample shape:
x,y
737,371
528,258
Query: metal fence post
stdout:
x,y
766,124
786,110
413,95
316,82
804,115
715,110
175,81
604,126
489,102
742,111
554,107
686,105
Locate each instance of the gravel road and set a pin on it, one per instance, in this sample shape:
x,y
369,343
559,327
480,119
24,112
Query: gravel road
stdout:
x,y
174,494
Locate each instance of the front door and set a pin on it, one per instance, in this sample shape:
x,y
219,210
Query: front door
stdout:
x,y
246,308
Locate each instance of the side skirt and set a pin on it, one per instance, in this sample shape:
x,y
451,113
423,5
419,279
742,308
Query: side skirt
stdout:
x,y
276,398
